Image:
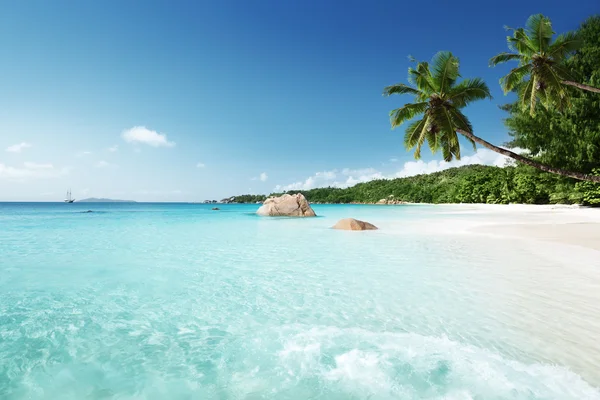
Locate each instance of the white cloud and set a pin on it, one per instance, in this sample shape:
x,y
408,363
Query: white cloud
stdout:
x,y
349,177
481,156
200,165
114,148
17,148
263,177
335,178
393,159
105,164
141,134
31,170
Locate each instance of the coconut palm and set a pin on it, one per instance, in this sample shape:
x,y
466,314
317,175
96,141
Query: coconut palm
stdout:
x,y
541,75
436,113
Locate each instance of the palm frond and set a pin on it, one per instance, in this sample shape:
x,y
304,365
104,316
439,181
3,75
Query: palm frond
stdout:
x,y
445,70
514,77
432,141
412,135
407,112
564,45
504,57
461,121
539,30
521,43
446,150
445,129
421,77
524,90
400,88
555,91
467,91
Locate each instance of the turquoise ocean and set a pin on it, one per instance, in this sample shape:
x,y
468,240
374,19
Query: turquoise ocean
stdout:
x,y
176,301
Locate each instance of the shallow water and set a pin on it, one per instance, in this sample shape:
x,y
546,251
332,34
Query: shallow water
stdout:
x,y
154,301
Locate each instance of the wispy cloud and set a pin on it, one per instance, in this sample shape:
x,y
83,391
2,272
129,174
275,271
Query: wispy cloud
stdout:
x,y
83,153
200,165
393,159
143,135
349,177
31,170
262,177
105,164
114,148
17,148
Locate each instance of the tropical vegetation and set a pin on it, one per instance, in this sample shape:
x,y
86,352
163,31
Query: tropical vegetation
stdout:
x,y
436,112
468,184
563,140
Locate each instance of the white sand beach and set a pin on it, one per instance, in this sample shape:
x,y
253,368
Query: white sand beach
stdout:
x,y
570,225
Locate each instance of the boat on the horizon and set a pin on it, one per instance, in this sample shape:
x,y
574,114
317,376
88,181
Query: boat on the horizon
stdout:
x,y
69,198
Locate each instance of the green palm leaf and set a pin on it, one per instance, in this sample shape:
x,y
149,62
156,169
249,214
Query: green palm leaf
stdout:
x,y
421,77
407,112
399,88
564,45
520,43
539,30
514,77
445,70
467,91
504,57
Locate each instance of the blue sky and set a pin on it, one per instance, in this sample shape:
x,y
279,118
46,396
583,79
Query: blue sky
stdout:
x,y
248,96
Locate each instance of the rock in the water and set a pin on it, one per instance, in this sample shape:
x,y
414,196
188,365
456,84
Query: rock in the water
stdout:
x,y
382,201
351,224
288,205
215,208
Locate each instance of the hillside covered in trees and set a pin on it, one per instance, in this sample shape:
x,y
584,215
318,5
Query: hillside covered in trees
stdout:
x,y
468,184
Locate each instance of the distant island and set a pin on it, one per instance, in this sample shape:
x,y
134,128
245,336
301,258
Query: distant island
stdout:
x,y
100,200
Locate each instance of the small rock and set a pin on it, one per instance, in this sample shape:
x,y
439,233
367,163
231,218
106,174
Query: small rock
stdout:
x,y
351,224
215,208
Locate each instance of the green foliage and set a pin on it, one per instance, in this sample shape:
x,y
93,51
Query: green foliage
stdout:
x,y
541,69
568,139
249,198
590,192
438,99
468,184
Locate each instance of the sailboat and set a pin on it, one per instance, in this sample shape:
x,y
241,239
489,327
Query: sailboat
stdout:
x,y
69,198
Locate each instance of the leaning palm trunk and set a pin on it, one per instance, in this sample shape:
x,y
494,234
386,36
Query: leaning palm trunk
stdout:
x,y
527,161
582,86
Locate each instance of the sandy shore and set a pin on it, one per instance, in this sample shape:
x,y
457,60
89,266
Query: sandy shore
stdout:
x,y
570,225
586,234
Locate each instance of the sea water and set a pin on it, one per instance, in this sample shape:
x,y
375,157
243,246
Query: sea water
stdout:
x,y
176,301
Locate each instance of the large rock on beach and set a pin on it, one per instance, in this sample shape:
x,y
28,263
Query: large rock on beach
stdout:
x,y
351,224
288,205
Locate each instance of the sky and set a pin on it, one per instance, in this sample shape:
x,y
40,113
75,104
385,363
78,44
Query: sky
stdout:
x,y
194,100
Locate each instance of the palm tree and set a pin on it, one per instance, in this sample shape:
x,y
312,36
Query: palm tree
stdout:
x,y
439,99
541,74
